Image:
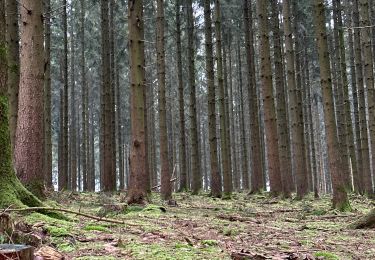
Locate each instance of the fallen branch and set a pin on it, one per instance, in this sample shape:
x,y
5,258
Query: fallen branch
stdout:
x,y
66,211
171,180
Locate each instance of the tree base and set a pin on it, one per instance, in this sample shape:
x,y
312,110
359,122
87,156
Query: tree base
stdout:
x,y
16,252
137,197
367,221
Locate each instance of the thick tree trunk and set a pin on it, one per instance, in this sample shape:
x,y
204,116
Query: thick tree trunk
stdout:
x,y
13,58
29,135
340,199
270,119
138,173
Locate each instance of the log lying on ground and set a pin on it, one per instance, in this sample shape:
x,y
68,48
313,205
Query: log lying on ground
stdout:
x,y
20,252
367,221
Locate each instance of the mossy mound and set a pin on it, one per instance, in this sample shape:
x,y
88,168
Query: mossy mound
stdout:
x,y
12,192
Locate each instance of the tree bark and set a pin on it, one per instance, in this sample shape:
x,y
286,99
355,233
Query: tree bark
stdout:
x,y
282,122
297,135
340,199
270,119
13,58
138,173
166,189
227,175
215,174
257,184
29,135
364,21
196,177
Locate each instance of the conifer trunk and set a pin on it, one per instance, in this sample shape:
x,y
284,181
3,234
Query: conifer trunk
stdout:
x,y
340,199
29,137
257,184
270,120
138,173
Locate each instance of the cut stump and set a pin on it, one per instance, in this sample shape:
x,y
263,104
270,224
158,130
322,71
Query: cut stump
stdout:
x,y
20,252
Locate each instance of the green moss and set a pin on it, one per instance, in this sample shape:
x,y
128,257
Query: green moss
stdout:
x,y
66,247
11,190
96,227
326,255
209,242
58,231
175,251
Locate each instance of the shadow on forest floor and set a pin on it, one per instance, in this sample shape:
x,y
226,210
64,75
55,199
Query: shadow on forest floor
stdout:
x,y
200,227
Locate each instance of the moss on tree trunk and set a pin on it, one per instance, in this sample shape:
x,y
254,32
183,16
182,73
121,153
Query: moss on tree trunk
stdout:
x,y
12,192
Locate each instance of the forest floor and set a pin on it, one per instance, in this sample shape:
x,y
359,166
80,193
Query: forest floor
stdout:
x,y
200,227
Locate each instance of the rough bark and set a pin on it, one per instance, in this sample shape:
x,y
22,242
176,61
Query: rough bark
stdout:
x,y
224,136
166,189
270,121
340,199
366,170
138,174
282,122
297,135
29,134
368,65
215,174
182,150
13,77
257,184
109,179
47,97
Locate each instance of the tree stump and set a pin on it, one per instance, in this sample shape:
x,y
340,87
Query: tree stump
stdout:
x,y
19,252
367,221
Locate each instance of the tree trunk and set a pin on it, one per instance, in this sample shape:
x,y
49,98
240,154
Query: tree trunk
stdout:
x,y
182,150
282,122
257,184
47,97
138,173
340,199
196,177
227,175
13,58
297,135
166,189
73,123
270,119
364,21
109,181
29,137
215,174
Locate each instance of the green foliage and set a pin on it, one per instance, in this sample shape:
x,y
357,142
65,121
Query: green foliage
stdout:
x,y
326,255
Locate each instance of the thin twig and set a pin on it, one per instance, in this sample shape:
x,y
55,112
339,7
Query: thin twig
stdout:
x,y
66,211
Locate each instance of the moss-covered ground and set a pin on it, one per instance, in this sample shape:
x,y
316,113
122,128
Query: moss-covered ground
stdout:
x,y
200,227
